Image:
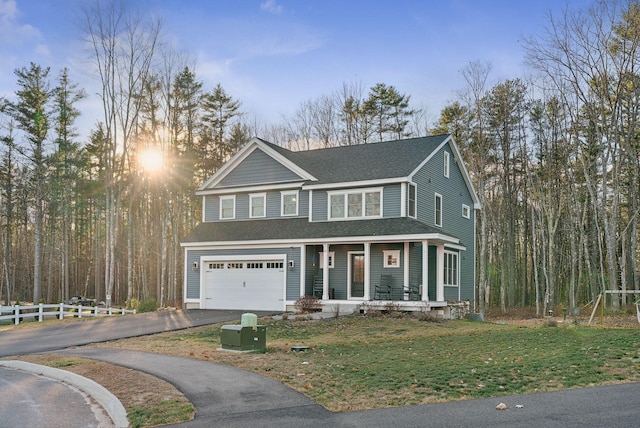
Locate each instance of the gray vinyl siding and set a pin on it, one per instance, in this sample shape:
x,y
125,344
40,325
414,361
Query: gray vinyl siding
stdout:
x,y
391,202
273,205
211,208
378,269
429,181
320,205
258,168
292,275
415,264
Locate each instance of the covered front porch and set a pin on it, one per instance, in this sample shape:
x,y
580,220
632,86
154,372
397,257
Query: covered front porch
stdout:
x,y
412,275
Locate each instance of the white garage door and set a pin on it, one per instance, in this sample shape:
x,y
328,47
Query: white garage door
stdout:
x,y
256,285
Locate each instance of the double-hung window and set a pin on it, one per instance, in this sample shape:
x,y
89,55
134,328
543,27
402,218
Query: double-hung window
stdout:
x,y
354,204
289,203
450,268
227,207
257,205
438,210
412,200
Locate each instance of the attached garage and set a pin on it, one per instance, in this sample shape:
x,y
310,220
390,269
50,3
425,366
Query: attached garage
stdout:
x,y
253,284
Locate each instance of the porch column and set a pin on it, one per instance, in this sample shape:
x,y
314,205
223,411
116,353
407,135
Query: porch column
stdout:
x,y
440,280
367,271
407,249
325,271
425,271
303,269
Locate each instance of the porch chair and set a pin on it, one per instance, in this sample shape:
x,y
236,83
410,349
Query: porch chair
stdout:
x,y
414,292
317,286
383,290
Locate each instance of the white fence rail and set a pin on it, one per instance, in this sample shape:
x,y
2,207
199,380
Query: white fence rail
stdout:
x,y
19,313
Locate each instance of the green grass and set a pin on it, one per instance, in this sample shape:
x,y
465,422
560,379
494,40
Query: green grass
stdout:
x,y
167,411
361,362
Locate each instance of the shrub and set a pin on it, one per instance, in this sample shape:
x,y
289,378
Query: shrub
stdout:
x,y
307,304
148,305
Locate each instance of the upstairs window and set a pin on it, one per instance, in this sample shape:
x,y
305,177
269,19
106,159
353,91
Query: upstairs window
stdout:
x,y
438,210
412,200
355,204
466,211
257,205
446,164
227,207
289,203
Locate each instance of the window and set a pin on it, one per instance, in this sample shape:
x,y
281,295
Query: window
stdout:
x,y
450,269
289,203
446,164
275,265
466,211
412,200
438,210
235,265
216,265
255,265
372,204
391,258
355,204
257,205
354,207
337,206
332,255
227,207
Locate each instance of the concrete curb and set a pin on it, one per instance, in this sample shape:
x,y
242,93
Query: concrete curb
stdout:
x,y
100,394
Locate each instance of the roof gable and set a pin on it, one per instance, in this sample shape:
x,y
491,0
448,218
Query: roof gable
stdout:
x,y
242,170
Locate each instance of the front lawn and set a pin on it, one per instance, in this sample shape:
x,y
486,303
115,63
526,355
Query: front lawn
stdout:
x,y
363,362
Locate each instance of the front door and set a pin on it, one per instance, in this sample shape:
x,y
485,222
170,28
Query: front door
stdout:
x,y
357,275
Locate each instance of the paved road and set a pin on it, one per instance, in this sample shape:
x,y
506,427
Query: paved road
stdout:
x,y
30,400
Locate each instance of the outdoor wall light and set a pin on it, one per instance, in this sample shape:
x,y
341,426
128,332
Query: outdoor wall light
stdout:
x,y
194,266
291,264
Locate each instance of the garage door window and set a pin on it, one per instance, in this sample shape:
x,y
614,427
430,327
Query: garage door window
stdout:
x,y
275,265
216,265
254,265
235,265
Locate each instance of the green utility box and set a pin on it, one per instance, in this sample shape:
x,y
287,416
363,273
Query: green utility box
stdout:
x,y
248,336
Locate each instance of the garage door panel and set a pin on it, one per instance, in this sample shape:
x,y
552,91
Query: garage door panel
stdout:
x,y
244,285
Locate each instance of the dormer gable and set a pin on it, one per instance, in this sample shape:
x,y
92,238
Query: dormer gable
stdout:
x,y
256,163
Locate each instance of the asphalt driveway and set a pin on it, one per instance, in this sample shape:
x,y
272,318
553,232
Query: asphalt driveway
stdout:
x,y
225,396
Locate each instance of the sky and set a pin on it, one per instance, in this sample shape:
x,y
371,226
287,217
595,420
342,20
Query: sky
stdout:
x,y
273,55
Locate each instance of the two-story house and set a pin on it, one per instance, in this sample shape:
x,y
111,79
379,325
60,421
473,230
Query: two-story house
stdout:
x,y
377,223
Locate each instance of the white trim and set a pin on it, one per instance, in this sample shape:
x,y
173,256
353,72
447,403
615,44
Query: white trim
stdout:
x,y
310,206
406,250
284,193
468,209
243,153
395,257
437,196
262,196
415,200
227,197
404,201
364,183
331,261
350,277
450,241
444,270
446,163
249,189
363,203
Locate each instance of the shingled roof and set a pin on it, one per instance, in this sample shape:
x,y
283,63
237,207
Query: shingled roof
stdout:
x,y
292,229
390,159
